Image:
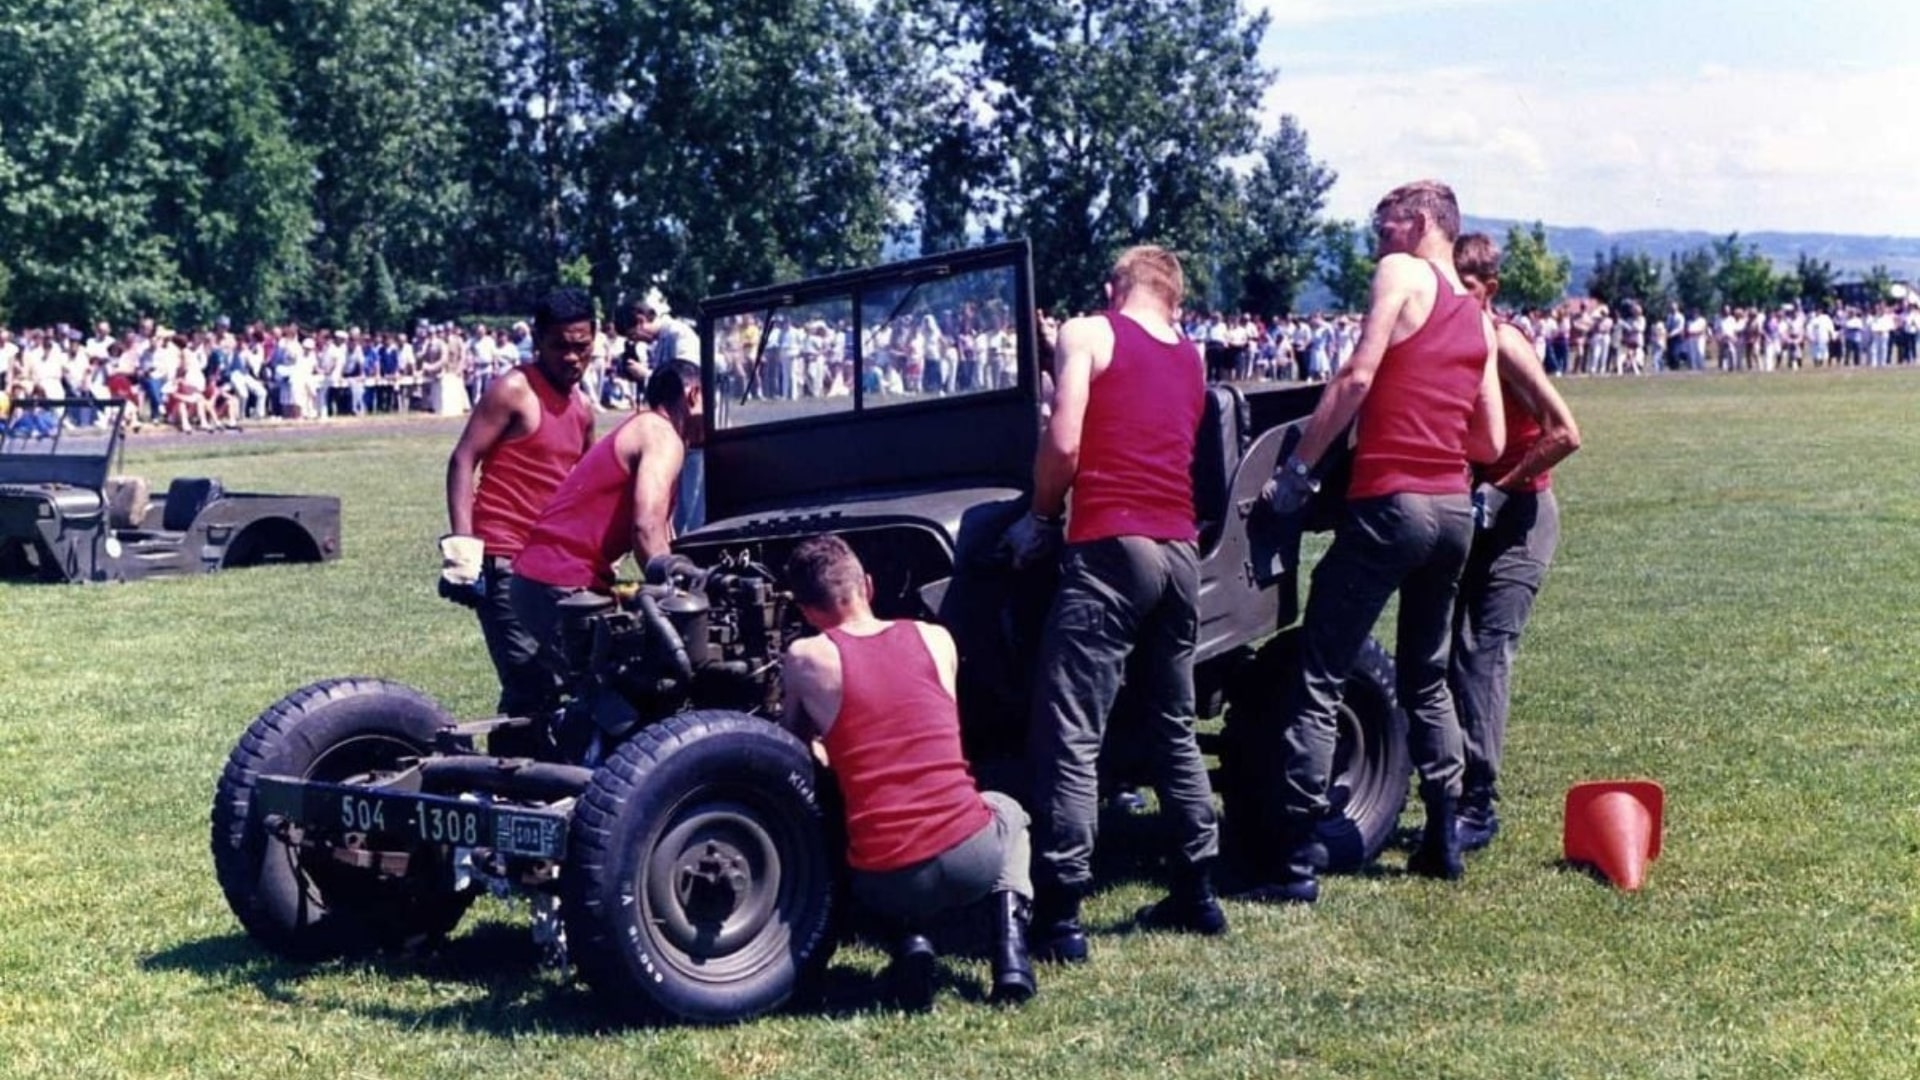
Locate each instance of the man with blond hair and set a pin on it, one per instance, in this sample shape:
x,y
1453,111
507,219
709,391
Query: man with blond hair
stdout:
x,y
1424,389
1120,436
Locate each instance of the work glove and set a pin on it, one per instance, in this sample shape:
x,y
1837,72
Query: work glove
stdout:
x,y
1033,539
461,558
1488,501
1292,486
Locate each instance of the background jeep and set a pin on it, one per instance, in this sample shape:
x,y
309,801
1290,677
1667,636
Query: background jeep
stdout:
x,y
682,846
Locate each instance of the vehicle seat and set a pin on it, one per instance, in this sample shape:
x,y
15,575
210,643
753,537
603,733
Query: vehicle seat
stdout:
x,y
1216,457
186,497
128,498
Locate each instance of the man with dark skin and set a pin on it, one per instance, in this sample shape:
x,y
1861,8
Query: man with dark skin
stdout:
x,y
1422,391
1519,528
523,437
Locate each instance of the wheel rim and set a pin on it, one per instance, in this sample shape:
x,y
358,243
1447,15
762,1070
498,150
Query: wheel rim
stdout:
x,y
718,882
325,881
1359,766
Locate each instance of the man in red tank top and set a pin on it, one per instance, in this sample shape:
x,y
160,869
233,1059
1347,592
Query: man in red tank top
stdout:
x,y
617,500
1424,388
921,837
1120,437
1519,528
524,435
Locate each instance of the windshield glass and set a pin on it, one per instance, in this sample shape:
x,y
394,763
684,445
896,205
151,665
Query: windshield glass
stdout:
x,y
894,343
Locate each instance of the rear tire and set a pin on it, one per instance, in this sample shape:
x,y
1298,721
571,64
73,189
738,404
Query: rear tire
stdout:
x,y
699,884
304,905
1370,771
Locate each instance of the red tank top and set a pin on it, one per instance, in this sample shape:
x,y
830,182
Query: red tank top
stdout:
x,y
1413,424
589,524
518,476
1522,432
895,746
1136,445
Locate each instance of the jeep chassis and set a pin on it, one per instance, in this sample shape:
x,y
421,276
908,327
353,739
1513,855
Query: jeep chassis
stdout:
x,y
681,846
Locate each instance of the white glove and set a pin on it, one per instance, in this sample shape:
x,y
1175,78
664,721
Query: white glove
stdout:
x,y
461,558
1488,501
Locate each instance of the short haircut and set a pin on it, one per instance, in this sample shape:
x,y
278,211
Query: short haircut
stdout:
x,y
1430,197
669,383
823,573
561,307
1148,267
1476,255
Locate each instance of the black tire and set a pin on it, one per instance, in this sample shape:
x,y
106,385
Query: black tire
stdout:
x,y
306,906
1370,763
699,883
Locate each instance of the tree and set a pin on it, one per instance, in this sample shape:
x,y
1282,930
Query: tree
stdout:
x,y
1621,276
1284,198
1742,276
1531,275
1118,119
1346,265
146,167
1693,281
1878,284
1816,280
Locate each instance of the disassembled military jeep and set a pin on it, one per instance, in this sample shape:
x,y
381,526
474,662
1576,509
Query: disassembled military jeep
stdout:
x,y
678,840
64,517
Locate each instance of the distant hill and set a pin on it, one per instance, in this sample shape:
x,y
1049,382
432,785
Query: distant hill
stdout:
x,y
1851,256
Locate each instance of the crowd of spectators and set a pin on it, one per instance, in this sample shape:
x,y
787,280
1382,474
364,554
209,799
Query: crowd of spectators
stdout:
x,y
221,377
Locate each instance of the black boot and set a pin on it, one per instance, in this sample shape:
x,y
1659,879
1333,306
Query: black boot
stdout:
x,y
911,976
1479,823
1301,858
1012,966
1439,855
1190,906
1057,934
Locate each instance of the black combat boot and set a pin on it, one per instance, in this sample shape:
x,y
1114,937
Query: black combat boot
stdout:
x,y
1012,965
1057,934
1479,823
1301,857
912,975
1439,855
1190,906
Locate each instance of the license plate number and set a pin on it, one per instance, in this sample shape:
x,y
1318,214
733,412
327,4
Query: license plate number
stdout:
x,y
416,819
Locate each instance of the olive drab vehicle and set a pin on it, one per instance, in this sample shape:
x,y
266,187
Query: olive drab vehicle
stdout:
x,y
677,842
65,517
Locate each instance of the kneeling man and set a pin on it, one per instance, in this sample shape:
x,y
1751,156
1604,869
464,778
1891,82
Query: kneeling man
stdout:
x,y
921,837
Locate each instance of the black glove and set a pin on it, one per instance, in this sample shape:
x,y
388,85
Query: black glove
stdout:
x,y
1292,486
1032,540
1487,504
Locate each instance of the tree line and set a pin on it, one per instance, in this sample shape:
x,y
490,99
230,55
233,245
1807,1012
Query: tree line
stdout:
x,y
373,161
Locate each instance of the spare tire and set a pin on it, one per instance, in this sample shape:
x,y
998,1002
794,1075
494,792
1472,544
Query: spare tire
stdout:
x,y
306,905
699,882
1371,768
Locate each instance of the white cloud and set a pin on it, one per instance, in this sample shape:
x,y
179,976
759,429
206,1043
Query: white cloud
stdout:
x,y
1315,12
1727,149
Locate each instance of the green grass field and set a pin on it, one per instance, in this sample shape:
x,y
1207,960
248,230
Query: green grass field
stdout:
x,y
1731,614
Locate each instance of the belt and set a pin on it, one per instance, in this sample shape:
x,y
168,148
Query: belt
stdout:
x,y
499,564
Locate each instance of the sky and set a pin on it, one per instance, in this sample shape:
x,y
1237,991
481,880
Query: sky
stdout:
x,y
1715,115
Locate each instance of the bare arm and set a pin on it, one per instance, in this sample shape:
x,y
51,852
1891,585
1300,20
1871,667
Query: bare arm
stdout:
x,y
494,420
1058,459
1487,427
946,657
656,473
1523,374
1392,286
810,687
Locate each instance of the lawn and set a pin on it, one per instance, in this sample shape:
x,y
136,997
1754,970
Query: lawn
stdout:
x,y
1730,615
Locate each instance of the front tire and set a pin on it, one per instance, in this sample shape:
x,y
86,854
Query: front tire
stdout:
x,y
1371,767
304,905
698,883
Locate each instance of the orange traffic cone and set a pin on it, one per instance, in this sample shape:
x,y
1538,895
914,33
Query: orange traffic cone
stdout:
x,y
1614,825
